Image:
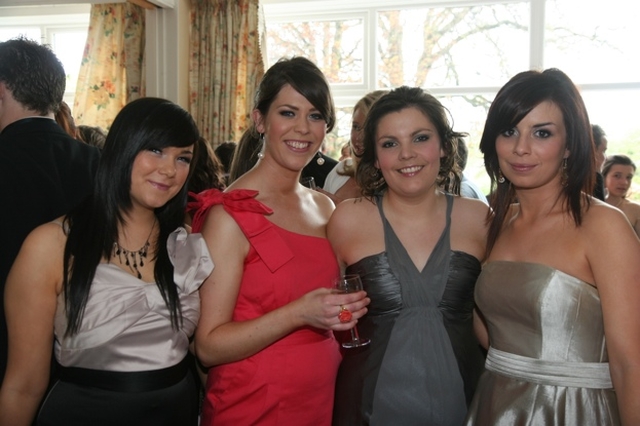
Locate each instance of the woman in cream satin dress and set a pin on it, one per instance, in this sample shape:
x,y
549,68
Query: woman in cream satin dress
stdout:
x,y
560,289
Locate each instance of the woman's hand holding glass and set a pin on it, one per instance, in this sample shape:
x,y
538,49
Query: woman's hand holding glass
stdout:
x,y
348,284
321,308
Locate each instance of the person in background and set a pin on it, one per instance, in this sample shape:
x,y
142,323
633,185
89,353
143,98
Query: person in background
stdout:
x,y
468,188
64,118
247,153
319,167
92,135
560,290
345,152
418,251
113,288
225,152
44,172
618,171
208,170
268,311
600,142
341,182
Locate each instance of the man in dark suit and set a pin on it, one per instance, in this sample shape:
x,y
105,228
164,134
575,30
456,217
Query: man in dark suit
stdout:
x,y
44,172
319,168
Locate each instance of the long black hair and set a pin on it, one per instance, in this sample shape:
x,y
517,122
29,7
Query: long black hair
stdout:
x,y
143,124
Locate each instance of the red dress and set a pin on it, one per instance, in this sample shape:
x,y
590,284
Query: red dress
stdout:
x,y
291,382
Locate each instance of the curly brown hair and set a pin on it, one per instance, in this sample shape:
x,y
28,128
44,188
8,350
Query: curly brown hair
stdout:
x,y
368,175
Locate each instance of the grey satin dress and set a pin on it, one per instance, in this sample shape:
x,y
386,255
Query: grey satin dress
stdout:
x,y
424,361
547,364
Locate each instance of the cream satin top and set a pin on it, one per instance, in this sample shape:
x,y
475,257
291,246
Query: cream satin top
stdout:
x,y
126,324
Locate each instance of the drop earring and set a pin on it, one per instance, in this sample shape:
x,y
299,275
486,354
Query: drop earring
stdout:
x,y
261,153
564,178
320,159
501,178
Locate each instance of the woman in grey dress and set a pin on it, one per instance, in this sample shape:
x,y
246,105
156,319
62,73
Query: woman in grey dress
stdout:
x,y
561,287
418,251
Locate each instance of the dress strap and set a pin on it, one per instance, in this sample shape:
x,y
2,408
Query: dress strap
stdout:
x,y
591,375
249,214
63,225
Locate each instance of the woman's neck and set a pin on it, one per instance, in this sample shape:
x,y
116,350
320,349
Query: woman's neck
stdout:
x,y
615,200
538,202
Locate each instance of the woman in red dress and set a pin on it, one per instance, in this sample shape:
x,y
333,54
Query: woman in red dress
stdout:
x,y
268,311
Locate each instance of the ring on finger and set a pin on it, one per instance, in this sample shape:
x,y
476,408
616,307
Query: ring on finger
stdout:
x,y
345,314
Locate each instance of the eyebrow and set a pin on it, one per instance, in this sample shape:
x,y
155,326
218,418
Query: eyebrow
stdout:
x,y
422,130
314,109
544,124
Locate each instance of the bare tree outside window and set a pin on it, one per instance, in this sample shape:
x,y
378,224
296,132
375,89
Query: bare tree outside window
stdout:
x,y
464,54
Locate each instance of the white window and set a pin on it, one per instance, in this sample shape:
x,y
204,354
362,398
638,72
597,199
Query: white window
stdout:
x,y
64,29
463,52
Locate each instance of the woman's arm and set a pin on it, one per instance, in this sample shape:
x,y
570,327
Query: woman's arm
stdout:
x,y
613,252
30,301
221,340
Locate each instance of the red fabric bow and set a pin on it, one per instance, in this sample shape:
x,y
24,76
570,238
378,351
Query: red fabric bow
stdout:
x,y
239,200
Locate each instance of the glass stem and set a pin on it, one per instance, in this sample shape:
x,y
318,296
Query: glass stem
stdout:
x,y
354,334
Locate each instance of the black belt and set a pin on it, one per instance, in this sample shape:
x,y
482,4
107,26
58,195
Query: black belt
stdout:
x,y
120,381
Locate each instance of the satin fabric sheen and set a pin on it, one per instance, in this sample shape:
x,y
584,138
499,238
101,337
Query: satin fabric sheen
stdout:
x,y
126,324
539,313
424,361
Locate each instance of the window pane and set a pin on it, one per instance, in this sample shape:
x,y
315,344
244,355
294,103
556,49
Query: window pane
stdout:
x,y
11,32
469,114
68,46
595,45
452,46
615,111
336,47
340,134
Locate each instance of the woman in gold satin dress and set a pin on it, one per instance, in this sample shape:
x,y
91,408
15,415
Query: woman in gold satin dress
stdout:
x,y
560,290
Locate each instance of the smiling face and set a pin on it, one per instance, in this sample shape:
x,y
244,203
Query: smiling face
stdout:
x,y
408,151
158,174
530,154
618,179
293,129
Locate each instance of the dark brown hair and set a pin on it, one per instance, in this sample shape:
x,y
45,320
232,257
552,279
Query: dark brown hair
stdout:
x,y
513,102
368,175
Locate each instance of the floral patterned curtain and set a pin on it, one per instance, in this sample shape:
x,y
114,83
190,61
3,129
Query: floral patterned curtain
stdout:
x,y
112,70
226,66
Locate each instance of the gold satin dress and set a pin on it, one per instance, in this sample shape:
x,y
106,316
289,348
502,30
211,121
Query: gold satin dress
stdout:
x,y
548,363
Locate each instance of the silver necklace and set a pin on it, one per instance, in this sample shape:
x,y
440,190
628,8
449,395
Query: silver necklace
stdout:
x,y
133,258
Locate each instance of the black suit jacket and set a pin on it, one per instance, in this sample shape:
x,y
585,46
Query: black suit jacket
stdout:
x,y
319,171
44,173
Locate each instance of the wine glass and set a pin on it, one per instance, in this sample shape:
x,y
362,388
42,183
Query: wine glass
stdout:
x,y
309,182
351,284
